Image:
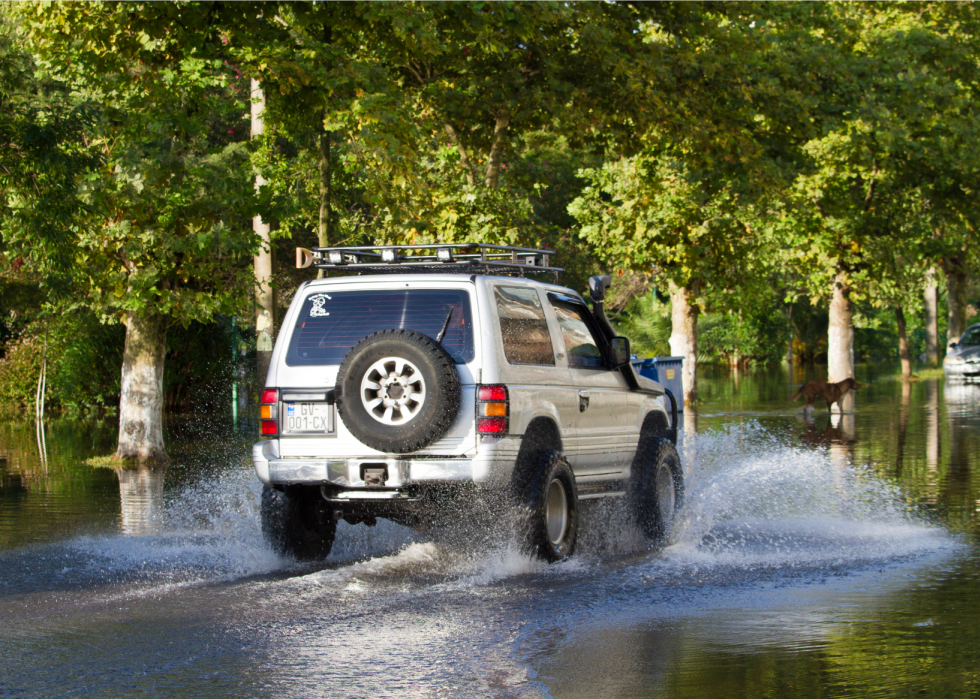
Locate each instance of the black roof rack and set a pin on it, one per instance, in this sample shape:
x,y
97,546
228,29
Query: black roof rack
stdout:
x,y
445,258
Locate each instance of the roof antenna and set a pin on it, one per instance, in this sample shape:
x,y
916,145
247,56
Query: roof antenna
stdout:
x,y
445,326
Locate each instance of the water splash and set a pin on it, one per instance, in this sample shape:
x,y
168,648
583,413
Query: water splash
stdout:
x,y
755,500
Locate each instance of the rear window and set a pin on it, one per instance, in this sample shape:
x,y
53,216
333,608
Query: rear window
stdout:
x,y
331,322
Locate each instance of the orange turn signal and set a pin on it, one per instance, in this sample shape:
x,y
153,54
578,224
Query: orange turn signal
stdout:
x,y
494,409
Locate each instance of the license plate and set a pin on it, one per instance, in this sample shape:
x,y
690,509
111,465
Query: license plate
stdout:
x,y
309,418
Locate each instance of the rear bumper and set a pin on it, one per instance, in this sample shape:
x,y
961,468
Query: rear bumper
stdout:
x,y
348,472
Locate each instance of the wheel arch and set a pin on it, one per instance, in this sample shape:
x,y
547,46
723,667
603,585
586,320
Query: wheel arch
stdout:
x,y
655,426
541,434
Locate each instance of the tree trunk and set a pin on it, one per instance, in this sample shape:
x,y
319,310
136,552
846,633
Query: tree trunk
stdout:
x,y
265,299
684,337
497,150
325,185
956,297
932,318
903,345
141,395
735,359
840,339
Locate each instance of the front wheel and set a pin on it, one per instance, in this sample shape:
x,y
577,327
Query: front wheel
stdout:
x,y
548,500
296,522
656,487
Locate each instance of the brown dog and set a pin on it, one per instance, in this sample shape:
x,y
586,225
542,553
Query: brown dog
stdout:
x,y
830,392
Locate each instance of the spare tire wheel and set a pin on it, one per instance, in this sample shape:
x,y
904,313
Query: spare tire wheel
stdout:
x,y
398,391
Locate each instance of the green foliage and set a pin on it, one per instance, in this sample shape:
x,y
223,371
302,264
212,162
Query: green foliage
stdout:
x,y
20,302
84,356
83,359
809,329
758,333
166,228
751,153
871,200
646,322
44,152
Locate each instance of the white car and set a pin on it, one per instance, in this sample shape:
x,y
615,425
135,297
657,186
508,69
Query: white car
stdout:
x,y
963,359
439,376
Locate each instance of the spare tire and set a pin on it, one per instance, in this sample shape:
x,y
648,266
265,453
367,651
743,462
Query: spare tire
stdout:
x,y
397,391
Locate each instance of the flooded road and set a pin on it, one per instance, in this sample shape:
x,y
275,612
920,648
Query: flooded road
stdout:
x,y
814,557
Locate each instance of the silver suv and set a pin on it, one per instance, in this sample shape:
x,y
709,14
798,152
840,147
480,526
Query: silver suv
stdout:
x,y
440,377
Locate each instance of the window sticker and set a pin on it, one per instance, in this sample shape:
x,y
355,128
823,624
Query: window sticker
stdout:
x,y
318,300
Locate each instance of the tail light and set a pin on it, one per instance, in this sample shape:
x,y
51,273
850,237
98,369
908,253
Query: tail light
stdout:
x,y
268,412
492,410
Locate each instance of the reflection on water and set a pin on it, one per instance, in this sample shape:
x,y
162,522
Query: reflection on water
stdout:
x,y
817,555
141,499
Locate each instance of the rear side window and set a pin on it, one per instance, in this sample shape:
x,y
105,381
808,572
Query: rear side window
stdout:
x,y
523,327
331,322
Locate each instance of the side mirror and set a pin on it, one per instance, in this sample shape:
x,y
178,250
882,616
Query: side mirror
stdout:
x,y
619,351
952,345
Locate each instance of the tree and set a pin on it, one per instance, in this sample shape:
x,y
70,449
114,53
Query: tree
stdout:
x,y
687,205
898,129
43,153
167,235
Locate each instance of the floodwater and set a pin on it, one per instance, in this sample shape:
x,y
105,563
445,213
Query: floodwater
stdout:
x,y
814,557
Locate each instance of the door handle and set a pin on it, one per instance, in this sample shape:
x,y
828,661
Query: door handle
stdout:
x,y
583,401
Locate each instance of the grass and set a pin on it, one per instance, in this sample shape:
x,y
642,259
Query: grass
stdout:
x,y
924,374
109,462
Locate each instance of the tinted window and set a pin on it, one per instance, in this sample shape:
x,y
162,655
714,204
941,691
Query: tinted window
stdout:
x,y
331,322
576,332
523,328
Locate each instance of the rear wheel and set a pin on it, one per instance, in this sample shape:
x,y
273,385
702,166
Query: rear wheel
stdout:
x,y
656,486
297,523
548,500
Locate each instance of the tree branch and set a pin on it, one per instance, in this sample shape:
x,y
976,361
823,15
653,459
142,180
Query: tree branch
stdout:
x,y
497,150
871,186
463,158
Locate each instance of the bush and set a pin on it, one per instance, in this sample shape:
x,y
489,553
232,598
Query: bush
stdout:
x,y
19,371
85,365
84,358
